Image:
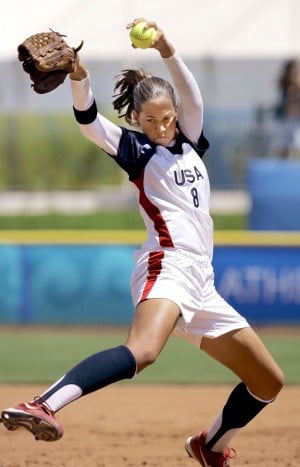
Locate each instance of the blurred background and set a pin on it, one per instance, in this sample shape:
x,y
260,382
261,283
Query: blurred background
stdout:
x,y
244,56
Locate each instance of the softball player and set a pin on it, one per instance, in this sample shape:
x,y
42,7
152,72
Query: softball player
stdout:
x,y
173,281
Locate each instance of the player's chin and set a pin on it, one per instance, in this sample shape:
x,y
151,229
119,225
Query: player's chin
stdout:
x,y
163,141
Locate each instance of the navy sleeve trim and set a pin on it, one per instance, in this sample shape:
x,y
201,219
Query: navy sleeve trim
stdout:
x,y
134,152
202,145
86,116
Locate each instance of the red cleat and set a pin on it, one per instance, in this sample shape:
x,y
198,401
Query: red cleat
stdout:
x,y
37,418
195,447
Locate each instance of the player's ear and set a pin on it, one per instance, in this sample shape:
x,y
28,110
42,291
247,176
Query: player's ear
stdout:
x,y
135,117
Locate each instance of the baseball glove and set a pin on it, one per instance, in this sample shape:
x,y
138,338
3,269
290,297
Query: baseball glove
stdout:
x,y
48,59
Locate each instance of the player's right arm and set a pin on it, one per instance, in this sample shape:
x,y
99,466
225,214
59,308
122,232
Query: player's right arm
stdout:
x,y
93,125
190,117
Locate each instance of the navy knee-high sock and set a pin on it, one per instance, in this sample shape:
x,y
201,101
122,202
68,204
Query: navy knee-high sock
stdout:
x,y
95,372
240,408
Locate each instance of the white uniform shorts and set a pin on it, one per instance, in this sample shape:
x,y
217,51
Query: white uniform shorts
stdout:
x,y
188,280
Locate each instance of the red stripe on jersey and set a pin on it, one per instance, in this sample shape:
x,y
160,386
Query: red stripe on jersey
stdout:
x,y
154,214
154,269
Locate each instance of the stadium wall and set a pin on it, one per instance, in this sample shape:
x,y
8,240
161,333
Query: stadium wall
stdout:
x,y
83,277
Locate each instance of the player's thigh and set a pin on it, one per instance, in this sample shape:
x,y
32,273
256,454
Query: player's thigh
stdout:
x,y
245,354
153,322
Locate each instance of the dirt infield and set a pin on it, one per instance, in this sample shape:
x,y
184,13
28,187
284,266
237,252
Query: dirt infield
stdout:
x,y
138,425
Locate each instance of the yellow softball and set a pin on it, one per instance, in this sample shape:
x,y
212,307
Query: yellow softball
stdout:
x,y
142,37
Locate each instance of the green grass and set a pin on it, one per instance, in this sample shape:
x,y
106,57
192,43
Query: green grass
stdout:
x,y
230,221
42,355
106,220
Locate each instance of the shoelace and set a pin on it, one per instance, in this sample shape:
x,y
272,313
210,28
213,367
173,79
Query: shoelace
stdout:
x,y
229,453
44,405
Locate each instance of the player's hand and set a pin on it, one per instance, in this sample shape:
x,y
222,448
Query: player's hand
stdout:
x,y
80,71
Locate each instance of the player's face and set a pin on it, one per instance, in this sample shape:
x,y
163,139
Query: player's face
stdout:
x,y
157,120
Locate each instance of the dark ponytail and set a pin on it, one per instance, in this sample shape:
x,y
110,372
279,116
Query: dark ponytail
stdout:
x,y
124,92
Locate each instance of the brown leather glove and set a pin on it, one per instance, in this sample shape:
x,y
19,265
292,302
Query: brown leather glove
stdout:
x,y
48,59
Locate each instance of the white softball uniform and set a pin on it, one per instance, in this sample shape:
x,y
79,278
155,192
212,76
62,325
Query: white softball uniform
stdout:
x,y
173,192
